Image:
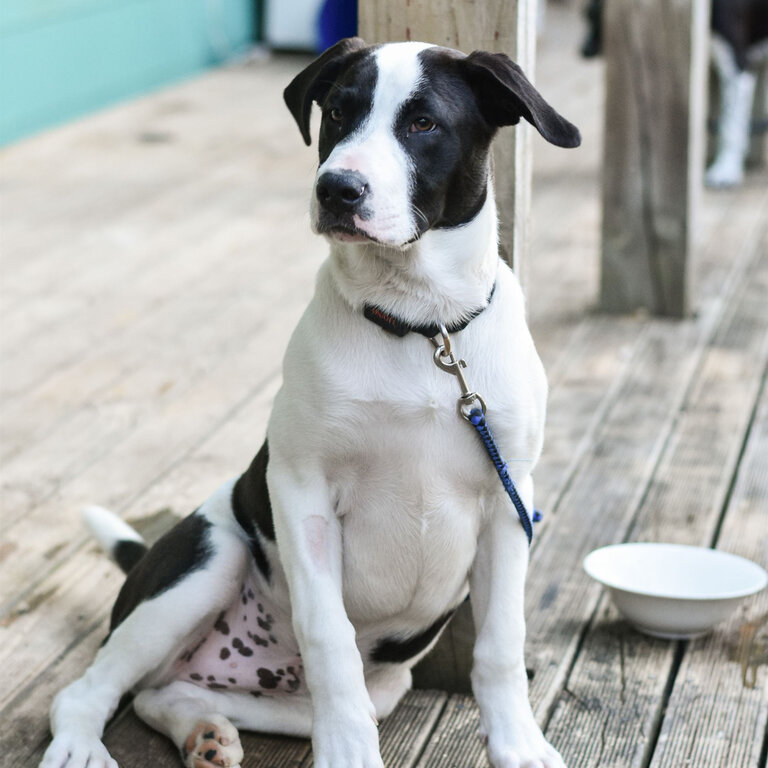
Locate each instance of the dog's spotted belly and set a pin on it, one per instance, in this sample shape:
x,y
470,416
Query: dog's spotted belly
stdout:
x,y
250,648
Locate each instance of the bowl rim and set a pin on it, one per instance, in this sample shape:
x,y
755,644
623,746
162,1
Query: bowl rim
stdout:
x,y
760,573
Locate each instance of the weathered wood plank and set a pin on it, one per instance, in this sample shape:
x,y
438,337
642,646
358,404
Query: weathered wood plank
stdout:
x,y
493,25
712,719
455,742
85,585
24,732
613,697
656,54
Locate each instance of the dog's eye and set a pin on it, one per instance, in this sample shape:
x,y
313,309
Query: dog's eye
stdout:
x,y
336,115
422,125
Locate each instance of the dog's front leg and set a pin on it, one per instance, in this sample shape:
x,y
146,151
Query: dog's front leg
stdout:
x,y
499,679
344,733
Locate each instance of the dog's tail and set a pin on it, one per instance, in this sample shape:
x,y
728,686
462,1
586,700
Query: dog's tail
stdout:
x,y
124,545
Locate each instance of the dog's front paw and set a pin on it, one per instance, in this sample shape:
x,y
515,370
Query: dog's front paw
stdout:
x,y
525,753
213,743
344,742
73,751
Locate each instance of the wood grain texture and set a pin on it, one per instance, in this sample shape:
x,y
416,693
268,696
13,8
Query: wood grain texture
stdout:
x,y
618,683
711,718
653,154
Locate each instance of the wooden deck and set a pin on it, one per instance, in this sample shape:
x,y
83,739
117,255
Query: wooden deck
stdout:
x,y
154,261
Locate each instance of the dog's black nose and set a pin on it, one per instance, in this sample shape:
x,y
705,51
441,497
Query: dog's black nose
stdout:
x,y
341,191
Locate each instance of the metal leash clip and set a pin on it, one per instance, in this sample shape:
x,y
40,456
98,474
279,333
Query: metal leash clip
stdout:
x,y
447,361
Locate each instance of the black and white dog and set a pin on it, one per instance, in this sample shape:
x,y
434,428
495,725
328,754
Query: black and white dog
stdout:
x,y
739,41
298,597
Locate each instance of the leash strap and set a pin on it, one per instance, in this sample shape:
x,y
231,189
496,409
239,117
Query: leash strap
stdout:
x,y
478,421
472,408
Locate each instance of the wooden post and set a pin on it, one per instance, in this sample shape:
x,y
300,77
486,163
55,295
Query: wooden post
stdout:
x,y
507,26
656,63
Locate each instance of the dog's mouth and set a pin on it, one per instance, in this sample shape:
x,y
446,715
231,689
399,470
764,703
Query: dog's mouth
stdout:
x,y
344,232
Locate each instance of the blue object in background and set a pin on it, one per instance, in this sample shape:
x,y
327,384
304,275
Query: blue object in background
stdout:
x,y
60,59
338,19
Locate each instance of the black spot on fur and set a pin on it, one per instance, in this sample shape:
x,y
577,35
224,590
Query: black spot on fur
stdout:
x,y
184,549
224,654
265,625
218,686
258,640
253,509
221,625
250,497
195,676
396,650
257,694
211,677
245,651
293,681
267,679
232,680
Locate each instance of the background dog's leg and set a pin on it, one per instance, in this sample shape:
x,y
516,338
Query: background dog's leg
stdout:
x,y
499,680
203,724
737,91
147,640
309,538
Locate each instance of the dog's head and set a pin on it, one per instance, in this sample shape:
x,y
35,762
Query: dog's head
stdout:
x,y
405,134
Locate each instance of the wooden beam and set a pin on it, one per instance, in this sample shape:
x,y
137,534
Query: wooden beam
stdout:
x,y
507,26
491,25
656,64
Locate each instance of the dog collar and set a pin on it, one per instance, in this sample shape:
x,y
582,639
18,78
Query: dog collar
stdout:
x,y
397,327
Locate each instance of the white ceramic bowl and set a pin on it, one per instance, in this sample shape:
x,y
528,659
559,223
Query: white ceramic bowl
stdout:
x,y
674,591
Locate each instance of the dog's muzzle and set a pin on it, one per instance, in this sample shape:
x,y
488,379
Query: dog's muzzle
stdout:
x,y
342,192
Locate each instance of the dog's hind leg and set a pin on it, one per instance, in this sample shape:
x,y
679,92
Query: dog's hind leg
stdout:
x,y
204,724
160,618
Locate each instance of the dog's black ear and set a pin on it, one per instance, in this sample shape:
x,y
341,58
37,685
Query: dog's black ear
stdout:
x,y
314,82
505,95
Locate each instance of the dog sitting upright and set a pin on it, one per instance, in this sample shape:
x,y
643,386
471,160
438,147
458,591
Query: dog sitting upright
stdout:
x,y
297,599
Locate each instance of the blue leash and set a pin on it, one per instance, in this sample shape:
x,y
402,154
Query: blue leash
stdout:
x,y
477,419
472,408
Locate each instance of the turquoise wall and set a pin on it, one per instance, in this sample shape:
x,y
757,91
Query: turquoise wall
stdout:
x,y
63,58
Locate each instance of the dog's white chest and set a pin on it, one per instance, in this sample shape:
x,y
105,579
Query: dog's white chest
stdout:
x,y
410,499
409,478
